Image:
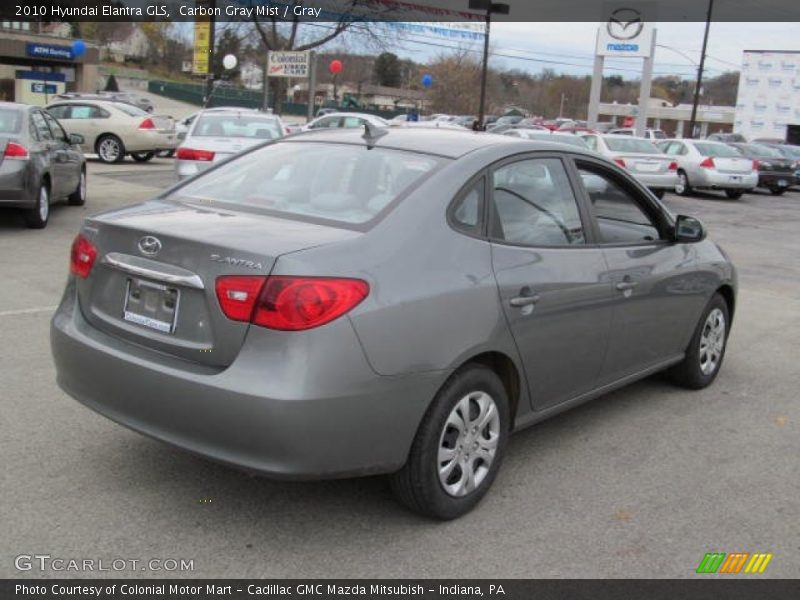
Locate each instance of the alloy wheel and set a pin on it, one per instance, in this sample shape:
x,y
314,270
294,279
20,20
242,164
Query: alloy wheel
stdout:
x,y
712,341
44,203
109,150
468,444
680,187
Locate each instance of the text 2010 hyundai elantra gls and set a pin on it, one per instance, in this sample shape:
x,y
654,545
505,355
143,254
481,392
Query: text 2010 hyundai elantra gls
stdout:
x,y
346,303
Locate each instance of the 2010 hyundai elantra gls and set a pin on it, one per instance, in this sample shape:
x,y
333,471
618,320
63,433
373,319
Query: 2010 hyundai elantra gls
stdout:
x,y
389,301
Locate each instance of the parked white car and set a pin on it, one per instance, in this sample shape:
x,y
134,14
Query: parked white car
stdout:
x,y
217,134
346,120
113,130
704,164
639,156
649,134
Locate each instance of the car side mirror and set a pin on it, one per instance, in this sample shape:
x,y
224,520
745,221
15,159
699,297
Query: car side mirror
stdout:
x,y
76,139
689,230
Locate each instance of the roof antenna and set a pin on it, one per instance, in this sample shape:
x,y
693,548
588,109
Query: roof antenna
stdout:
x,y
372,133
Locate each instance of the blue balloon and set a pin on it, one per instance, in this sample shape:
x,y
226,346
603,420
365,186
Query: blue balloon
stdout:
x,y
78,47
427,80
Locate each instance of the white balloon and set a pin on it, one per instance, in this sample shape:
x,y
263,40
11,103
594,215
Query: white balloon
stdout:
x,y
229,61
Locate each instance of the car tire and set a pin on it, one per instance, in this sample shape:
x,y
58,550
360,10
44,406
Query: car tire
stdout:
x,y
776,191
142,156
734,194
706,350
682,188
37,217
78,197
477,392
659,193
110,149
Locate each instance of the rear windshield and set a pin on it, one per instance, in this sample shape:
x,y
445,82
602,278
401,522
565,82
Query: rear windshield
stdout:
x,y
716,150
10,120
128,109
790,151
572,140
235,125
760,150
348,184
631,145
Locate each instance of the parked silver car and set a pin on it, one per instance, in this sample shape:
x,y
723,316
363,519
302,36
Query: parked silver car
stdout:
x,y
39,163
708,165
217,134
641,157
649,134
545,135
344,120
389,301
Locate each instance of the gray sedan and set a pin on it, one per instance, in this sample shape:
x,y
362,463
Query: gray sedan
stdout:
x,y
399,301
39,163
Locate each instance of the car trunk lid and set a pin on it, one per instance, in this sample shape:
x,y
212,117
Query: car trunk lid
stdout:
x,y
153,282
645,163
735,166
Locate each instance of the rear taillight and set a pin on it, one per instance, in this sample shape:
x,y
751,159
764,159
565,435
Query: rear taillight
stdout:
x,y
708,163
288,303
14,150
673,166
620,162
147,124
82,257
192,154
756,165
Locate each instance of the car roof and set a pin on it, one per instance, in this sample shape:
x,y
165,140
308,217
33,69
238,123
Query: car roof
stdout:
x,y
450,143
103,103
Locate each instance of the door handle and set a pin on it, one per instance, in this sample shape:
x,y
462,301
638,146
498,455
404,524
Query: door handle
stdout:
x,y
521,301
626,285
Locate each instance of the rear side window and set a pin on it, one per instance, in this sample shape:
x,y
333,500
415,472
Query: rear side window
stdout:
x,y
466,213
59,112
342,183
86,111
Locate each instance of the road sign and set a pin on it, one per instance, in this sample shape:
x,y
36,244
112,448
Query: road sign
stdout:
x,y
287,64
202,33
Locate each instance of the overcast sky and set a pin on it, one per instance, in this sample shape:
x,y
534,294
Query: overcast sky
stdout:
x,y
569,47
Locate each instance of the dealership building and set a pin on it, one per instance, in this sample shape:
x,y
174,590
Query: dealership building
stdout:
x,y
768,102
34,67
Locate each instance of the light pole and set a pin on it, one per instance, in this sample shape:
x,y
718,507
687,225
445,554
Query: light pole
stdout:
x,y
696,100
561,106
490,7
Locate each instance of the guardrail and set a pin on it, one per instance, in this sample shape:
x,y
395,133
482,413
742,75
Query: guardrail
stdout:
x,y
193,93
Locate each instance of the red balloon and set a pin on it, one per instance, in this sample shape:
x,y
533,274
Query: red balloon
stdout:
x,y
335,66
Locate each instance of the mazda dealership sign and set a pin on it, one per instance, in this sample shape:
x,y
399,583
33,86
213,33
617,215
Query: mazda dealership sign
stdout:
x,y
625,34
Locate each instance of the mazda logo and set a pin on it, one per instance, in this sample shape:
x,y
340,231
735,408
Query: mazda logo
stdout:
x,y
625,24
149,245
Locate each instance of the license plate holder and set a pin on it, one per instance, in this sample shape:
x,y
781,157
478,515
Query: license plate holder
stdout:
x,y
735,178
151,305
783,183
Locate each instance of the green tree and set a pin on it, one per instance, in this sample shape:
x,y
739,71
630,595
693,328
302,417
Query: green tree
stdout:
x,y
387,70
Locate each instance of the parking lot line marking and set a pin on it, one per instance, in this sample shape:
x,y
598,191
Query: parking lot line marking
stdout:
x,y
27,311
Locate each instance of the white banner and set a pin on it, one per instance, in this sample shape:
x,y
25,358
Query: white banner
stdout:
x,y
769,94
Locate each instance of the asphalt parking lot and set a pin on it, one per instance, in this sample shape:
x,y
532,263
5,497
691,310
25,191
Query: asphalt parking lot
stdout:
x,y
640,483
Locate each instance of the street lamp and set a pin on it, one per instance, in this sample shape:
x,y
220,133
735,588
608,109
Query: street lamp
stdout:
x,y
490,7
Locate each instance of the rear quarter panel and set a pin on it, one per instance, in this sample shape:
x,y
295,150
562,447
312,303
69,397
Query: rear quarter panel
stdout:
x,y
433,300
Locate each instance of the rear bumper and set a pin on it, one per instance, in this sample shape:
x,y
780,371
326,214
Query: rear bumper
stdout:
x,y
772,179
150,140
189,168
15,184
261,413
658,181
724,181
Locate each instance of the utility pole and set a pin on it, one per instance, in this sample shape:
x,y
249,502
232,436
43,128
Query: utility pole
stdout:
x,y
561,106
490,7
212,20
693,119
